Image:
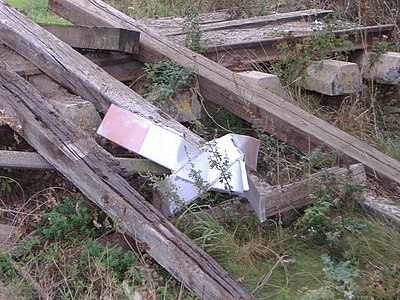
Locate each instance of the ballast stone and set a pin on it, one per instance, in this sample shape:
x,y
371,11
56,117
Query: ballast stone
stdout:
x,y
264,80
383,69
333,77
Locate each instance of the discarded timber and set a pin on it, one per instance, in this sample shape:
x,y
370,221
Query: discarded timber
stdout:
x,y
94,171
96,38
296,195
382,207
287,121
34,161
281,199
245,54
256,21
75,72
79,75
121,66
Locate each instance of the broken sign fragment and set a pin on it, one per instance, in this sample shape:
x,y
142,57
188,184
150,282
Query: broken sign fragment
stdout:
x,y
221,164
162,145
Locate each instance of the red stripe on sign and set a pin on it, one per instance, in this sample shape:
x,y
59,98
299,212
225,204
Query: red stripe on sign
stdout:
x,y
124,128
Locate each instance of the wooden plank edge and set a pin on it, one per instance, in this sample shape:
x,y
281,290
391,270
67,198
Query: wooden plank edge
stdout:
x,y
376,30
281,200
382,207
34,161
90,37
256,21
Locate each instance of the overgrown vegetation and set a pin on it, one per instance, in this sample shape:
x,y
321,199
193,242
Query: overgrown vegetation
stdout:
x,y
371,115
294,60
68,258
158,8
331,250
319,257
166,78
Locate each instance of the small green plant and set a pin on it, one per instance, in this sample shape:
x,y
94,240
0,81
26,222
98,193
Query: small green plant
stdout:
x,y
220,162
169,192
7,272
316,220
104,257
194,33
318,159
68,218
5,185
378,48
292,65
167,77
324,220
201,185
339,284
342,275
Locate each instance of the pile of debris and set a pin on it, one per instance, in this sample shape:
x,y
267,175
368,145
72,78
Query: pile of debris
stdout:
x,y
26,106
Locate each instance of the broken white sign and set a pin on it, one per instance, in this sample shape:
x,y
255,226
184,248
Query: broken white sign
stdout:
x,y
221,164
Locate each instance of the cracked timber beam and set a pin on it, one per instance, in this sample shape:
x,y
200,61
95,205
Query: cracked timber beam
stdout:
x,y
95,173
287,121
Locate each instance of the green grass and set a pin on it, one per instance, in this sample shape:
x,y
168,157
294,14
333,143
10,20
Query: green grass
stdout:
x,y
390,146
37,11
159,8
291,262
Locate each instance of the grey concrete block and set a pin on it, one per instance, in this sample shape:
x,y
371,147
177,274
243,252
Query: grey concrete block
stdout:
x,y
384,68
76,109
268,81
79,111
333,77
